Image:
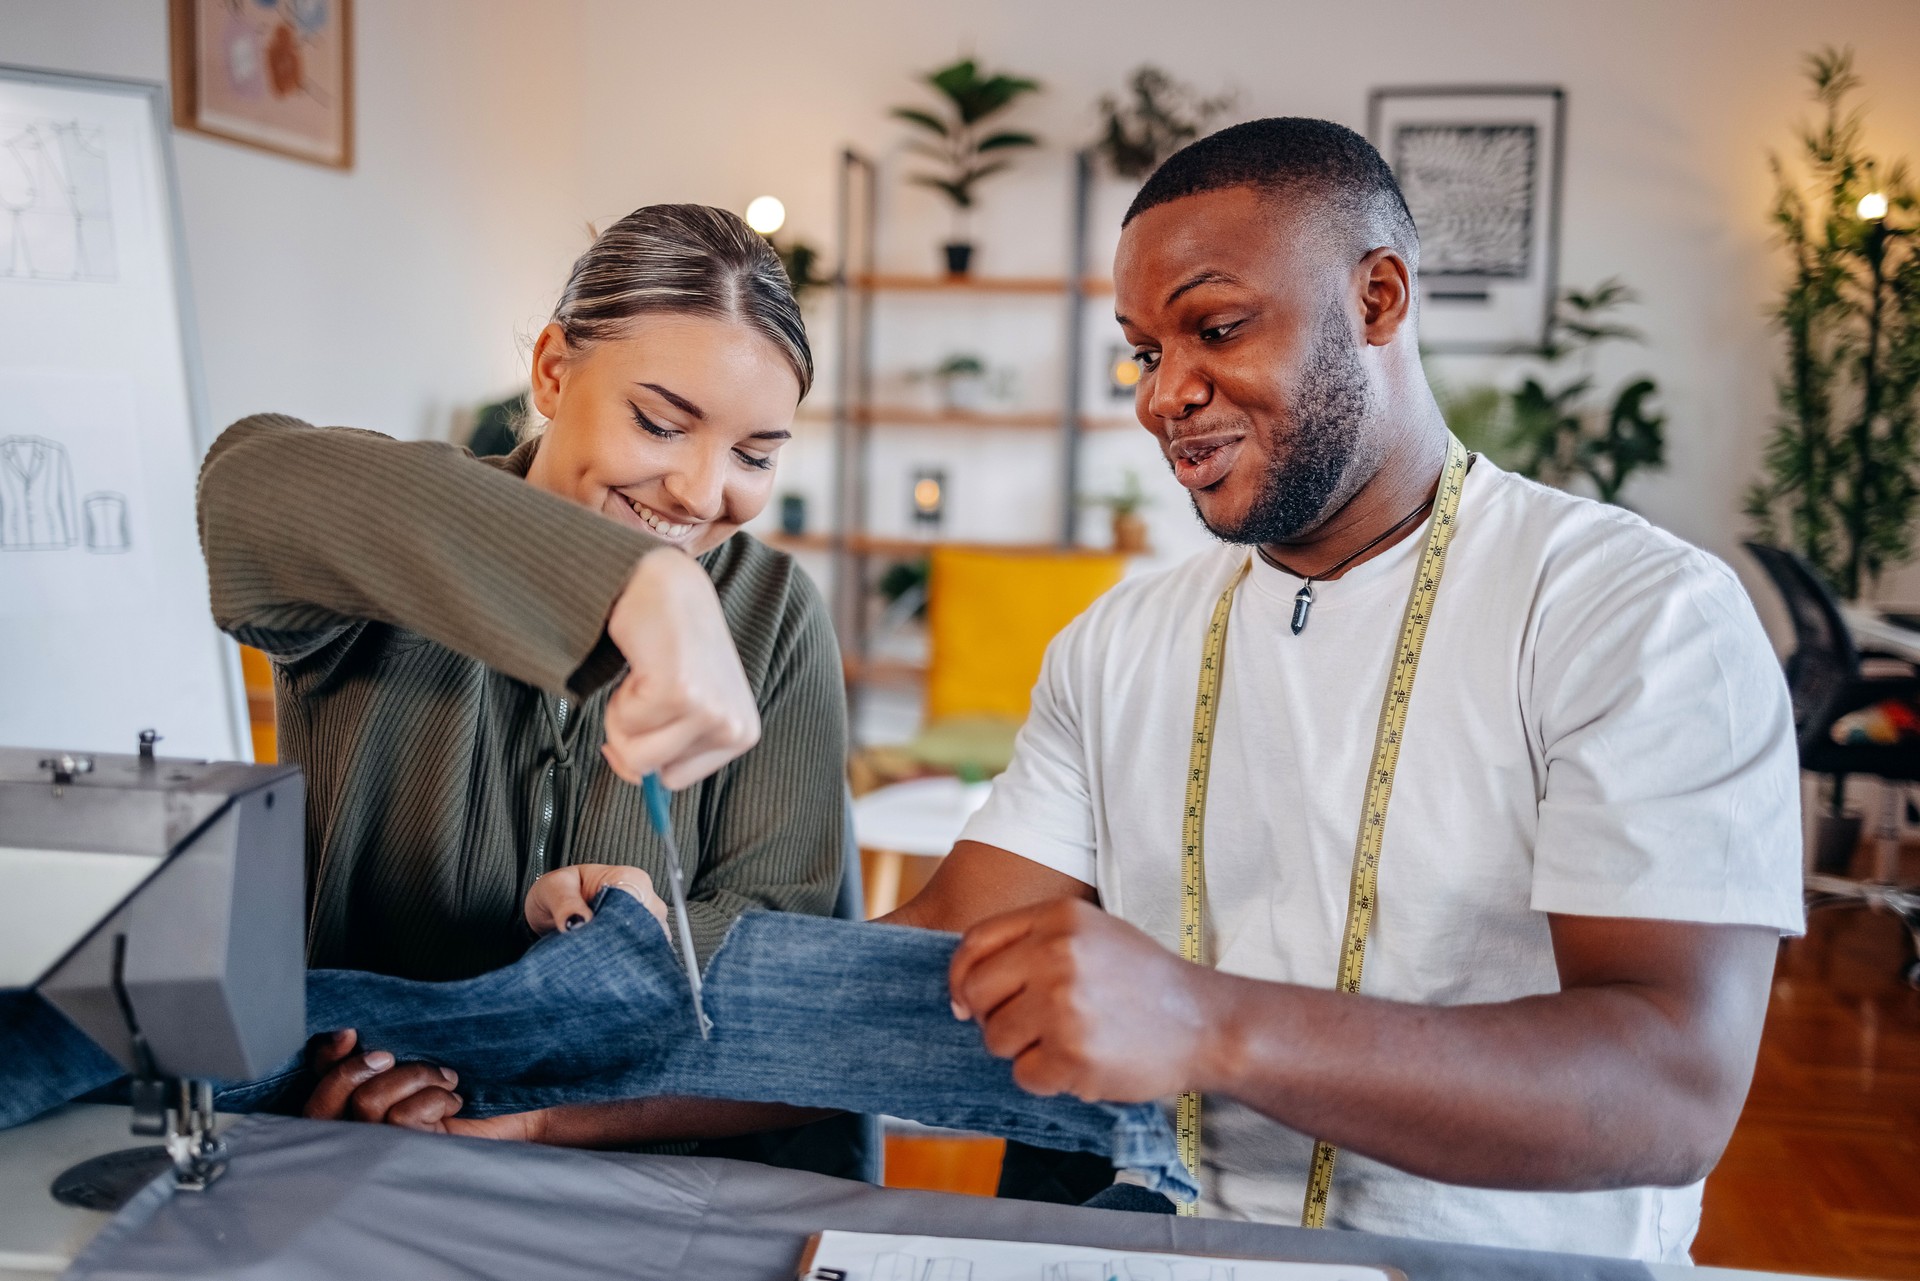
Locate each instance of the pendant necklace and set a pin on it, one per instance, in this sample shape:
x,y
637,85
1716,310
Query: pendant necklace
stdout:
x,y
1303,600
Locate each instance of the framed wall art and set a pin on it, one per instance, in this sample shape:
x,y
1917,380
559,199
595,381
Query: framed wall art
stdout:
x,y
274,74
1480,167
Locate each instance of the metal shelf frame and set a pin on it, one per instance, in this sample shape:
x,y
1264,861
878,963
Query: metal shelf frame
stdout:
x,y
857,284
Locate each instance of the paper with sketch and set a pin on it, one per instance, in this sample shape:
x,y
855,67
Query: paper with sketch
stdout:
x,y
73,509
865,1256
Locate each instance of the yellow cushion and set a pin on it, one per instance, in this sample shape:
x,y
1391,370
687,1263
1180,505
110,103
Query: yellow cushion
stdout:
x,y
990,615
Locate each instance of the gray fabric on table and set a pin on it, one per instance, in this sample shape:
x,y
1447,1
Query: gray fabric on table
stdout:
x,y
312,1199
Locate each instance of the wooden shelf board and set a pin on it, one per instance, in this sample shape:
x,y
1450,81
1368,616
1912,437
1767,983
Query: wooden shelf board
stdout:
x,y
871,545
890,283
911,416
883,671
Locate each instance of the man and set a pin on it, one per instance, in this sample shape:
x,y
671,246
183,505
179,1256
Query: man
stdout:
x,y
1593,841
1592,846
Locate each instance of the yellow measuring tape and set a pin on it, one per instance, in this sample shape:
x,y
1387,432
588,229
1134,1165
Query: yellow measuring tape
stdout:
x,y
1363,893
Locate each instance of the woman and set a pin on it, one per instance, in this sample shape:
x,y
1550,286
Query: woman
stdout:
x,y
475,662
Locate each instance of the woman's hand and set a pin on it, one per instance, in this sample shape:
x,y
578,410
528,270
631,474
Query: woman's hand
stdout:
x,y
685,708
558,900
415,1096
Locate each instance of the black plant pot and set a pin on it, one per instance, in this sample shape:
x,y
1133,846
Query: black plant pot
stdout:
x,y
959,258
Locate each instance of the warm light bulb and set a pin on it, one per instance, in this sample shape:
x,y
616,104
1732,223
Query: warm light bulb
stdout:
x,y
1126,372
1873,206
766,215
926,494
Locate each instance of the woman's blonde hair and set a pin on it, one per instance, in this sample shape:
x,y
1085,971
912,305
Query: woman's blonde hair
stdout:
x,y
683,260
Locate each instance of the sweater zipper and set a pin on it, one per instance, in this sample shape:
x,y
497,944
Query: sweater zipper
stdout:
x,y
549,801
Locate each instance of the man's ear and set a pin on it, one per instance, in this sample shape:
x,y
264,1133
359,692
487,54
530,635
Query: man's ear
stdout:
x,y
1386,295
549,356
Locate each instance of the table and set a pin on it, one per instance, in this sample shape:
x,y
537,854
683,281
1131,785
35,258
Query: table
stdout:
x,y
1873,630
919,818
38,1237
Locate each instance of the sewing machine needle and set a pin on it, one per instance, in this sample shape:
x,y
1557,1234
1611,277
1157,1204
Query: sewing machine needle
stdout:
x,y
656,799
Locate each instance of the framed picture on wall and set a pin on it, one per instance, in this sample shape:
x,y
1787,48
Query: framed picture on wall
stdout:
x,y
1480,167
274,74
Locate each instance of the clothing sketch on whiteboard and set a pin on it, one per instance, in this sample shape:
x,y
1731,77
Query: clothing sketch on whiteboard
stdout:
x,y
105,516
58,222
37,511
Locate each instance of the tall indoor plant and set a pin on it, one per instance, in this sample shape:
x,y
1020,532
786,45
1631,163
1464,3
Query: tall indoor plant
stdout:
x,y
958,140
1842,485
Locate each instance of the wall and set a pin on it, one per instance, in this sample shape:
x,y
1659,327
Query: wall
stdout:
x,y
1672,109
490,131
389,295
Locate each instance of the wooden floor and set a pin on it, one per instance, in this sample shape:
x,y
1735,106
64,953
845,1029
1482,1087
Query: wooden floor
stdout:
x,y
1823,1174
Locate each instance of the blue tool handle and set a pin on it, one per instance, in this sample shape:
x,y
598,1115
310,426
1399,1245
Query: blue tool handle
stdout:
x,y
656,797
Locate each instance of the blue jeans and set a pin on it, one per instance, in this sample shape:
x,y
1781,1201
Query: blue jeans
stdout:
x,y
806,1010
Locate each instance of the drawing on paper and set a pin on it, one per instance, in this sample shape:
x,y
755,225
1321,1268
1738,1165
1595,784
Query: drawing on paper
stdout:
x,y
37,511
105,515
1470,188
37,508
899,1265
56,212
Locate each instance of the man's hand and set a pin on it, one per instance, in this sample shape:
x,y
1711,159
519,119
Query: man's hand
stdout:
x,y
415,1096
685,708
1084,1004
558,900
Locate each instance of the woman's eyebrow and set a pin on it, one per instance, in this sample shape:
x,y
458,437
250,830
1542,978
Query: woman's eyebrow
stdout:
x,y
675,399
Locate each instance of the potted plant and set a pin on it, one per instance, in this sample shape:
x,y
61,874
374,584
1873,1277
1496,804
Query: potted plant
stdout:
x,y
802,262
962,380
959,143
1555,431
1161,116
1843,466
1129,526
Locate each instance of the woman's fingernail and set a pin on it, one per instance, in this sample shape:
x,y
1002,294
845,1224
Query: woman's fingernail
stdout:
x,y
450,1076
575,921
959,1010
379,1060
456,1104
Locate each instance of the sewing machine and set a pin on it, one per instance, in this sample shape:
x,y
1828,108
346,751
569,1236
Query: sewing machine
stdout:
x,y
158,904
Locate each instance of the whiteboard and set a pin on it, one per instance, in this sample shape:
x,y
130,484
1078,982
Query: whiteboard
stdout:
x,y
104,623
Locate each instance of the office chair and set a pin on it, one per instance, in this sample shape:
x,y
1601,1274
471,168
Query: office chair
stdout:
x,y
1825,681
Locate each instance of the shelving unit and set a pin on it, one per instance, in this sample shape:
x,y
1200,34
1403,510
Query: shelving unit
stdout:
x,y
858,288
915,416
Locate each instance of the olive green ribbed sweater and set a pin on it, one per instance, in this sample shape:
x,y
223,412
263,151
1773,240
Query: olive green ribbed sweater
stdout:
x,y
437,627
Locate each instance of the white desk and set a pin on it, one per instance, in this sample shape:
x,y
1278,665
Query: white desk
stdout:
x,y
39,1237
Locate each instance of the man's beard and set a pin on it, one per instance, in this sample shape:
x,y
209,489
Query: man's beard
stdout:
x,y
1326,416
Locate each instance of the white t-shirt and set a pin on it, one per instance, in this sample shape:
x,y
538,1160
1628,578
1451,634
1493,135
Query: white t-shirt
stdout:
x,y
1598,727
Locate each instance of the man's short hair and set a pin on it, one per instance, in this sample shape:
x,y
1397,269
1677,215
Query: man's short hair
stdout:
x,y
1291,156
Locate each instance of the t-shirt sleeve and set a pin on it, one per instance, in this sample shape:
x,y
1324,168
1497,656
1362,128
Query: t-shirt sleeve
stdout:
x,y
1041,808
1672,779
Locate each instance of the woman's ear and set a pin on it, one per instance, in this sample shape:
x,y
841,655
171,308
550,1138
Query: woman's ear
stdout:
x,y
549,369
1386,295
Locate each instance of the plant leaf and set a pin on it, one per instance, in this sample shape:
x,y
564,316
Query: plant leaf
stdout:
x,y
958,192
925,119
997,141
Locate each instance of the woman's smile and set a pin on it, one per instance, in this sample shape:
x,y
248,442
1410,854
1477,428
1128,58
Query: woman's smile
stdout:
x,y
678,532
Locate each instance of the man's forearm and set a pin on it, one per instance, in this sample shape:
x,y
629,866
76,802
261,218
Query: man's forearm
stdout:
x,y
632,1122
1575,1090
